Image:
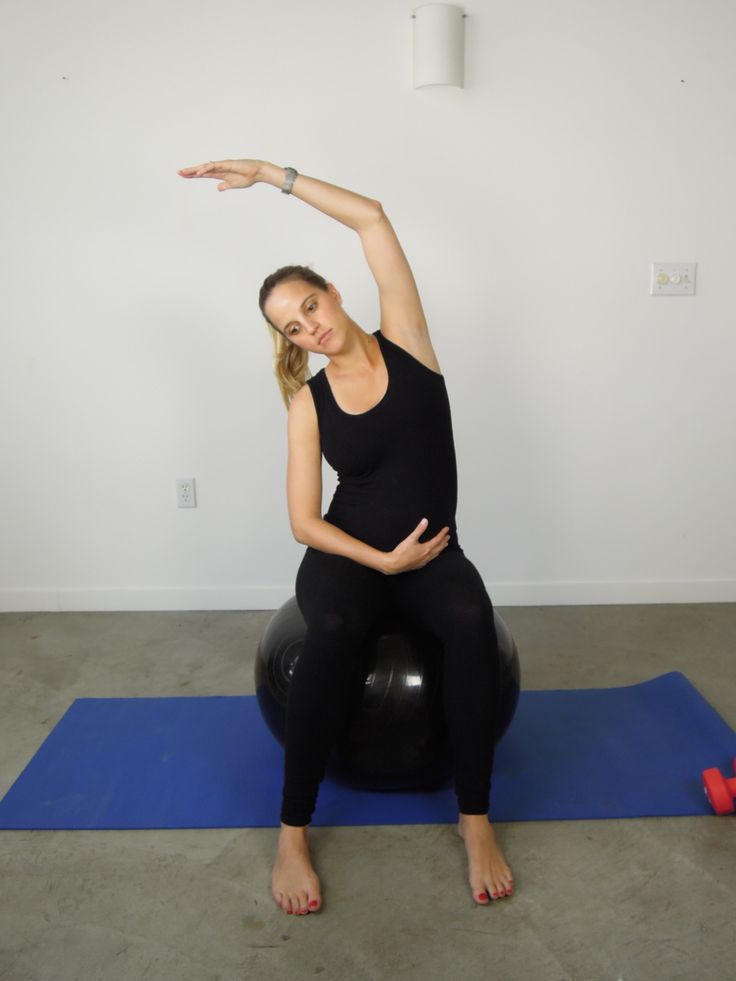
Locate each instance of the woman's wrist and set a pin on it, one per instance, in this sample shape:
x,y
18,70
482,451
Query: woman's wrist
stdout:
x,y
354,210
269,173
387,564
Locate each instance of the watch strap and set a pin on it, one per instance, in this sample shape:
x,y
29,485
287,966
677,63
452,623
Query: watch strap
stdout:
x,y
290,177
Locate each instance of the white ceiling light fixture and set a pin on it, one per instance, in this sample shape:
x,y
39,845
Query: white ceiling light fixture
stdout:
x,y
439,45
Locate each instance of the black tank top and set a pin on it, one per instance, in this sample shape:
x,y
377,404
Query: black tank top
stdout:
x,y
396,462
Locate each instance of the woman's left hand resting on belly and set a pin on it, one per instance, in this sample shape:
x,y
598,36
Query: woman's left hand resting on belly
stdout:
x,y
413,554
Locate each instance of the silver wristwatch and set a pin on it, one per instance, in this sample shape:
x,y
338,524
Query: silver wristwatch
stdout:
x,y
291,176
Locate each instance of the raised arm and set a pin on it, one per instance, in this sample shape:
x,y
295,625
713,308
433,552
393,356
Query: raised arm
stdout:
x,y
402,316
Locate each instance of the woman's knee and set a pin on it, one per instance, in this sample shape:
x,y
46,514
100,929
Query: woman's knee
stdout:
x,y
470,614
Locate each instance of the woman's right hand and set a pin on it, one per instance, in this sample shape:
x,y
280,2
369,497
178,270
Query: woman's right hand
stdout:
x,y
230,173
413,554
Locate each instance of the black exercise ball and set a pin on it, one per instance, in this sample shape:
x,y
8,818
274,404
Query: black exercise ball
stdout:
x,y
396,737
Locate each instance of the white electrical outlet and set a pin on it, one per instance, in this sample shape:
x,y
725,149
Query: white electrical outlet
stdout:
x,y
673,278
186,494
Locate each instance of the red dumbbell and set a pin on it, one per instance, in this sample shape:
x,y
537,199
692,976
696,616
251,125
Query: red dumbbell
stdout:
x,y
720,790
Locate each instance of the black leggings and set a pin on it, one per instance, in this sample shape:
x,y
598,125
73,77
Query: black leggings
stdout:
x,y
340,600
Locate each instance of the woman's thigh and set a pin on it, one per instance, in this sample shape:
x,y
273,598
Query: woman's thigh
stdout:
x,y
447,596
337,595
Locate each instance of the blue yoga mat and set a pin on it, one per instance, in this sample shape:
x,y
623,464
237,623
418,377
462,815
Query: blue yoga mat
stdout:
x,y
211,762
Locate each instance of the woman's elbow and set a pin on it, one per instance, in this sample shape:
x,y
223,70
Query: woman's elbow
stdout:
x,y
374,214
299,532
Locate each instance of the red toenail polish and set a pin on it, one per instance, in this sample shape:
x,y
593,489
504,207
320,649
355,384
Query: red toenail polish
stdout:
x,y
314,904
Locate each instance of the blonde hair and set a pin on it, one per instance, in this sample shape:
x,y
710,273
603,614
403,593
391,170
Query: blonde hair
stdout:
x,y
291,363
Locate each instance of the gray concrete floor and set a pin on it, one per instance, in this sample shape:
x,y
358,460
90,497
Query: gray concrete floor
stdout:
x,y
635,900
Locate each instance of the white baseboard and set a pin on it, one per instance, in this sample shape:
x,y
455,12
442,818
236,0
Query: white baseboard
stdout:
x,y
113,599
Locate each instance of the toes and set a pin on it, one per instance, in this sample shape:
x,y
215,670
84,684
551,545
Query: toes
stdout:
x,y
284,903
300,905
493,891
508,884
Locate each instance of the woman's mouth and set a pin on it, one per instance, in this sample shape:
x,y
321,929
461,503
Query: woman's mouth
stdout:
x,y
324,336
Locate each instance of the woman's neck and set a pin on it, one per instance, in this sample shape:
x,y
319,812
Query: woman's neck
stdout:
x,y
359,353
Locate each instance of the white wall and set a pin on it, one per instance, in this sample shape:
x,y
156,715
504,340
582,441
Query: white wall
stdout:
x,y
593,422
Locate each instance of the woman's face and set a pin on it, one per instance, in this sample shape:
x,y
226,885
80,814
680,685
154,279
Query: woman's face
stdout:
x,y
308,316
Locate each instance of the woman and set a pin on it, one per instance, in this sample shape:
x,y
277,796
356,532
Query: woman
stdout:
x,y
379,412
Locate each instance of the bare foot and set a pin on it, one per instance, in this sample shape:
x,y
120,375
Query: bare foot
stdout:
x,y
488,872
294,882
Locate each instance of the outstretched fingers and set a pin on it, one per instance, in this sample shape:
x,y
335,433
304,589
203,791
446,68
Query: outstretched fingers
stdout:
x,y
231,173
212,168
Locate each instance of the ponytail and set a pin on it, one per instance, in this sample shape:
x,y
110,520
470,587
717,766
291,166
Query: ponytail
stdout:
x,y
291,363
291,366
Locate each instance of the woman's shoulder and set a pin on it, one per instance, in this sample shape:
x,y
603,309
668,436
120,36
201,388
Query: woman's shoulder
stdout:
x,y
303,408
307,400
